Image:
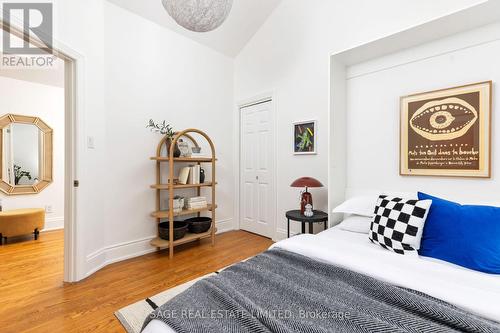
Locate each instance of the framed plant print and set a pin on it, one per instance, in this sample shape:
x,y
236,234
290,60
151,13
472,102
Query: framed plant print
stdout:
x,y
447,132
304,137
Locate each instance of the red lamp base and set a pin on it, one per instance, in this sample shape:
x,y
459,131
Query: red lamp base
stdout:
x,y
306,199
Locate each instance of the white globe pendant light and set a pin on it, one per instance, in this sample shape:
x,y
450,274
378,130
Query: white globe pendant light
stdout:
x,y
198,15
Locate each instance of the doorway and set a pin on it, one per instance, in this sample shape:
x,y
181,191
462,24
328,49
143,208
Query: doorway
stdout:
x,y
72,62
257,204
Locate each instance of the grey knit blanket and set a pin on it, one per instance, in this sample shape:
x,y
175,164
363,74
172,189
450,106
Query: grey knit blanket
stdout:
x,y
279,291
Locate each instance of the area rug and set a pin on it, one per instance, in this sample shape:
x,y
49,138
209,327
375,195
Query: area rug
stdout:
x,y
132,317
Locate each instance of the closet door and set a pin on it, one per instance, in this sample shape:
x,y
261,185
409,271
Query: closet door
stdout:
x,y
257,196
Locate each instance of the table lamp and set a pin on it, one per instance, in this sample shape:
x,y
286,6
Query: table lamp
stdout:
x,y
306,197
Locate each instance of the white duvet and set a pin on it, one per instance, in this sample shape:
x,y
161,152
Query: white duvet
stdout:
x,y
473,291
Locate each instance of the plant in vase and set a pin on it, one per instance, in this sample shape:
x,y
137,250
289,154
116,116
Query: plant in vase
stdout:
x,y
166,130
18,174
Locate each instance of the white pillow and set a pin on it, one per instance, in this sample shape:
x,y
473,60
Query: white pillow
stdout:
x,y
363,205
356,223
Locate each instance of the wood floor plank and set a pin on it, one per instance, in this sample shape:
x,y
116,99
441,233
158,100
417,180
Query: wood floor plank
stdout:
x,y
33,297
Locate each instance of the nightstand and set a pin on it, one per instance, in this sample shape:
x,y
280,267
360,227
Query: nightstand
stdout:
x,y
318,217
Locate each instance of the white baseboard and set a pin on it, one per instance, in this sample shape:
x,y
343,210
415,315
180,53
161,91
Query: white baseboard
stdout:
x,y
224,226
283,234
53,223
118,252
127,250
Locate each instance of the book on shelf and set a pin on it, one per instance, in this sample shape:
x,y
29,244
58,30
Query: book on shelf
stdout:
x,y
200,155
197,206
196,203
196,199
194,174
184,175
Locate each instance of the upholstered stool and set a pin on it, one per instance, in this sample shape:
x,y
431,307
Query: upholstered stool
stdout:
x,y
21,222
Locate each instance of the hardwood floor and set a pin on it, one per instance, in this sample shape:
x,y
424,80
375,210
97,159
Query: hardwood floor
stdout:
x,y
33,297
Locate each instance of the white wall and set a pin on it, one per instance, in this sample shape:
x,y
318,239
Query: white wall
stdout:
x,y
152,72
373,92
131,70
79,29
290,54
46,102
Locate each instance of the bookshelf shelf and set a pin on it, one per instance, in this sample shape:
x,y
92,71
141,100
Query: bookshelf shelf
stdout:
x,y
183,159
162,243
165,187
162,214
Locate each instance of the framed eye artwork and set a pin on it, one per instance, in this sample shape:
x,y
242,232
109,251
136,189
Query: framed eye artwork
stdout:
x,y
447,132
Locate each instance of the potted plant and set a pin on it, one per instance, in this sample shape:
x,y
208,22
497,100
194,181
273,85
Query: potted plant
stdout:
x,y
166,130
18,174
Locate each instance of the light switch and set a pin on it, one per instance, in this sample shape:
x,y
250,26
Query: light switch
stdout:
x,y
90,142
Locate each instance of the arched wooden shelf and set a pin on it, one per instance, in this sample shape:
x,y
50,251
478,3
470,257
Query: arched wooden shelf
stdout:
x,y
169,214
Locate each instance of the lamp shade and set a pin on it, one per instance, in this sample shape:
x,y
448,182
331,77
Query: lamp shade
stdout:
x,y
198,15
306,182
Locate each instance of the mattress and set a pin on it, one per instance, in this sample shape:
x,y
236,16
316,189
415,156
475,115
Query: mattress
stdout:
x,y
475,292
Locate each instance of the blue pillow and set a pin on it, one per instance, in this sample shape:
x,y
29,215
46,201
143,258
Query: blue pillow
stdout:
x,y
465,235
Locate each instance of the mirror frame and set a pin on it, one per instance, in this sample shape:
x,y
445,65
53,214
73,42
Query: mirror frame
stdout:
x,y
46,171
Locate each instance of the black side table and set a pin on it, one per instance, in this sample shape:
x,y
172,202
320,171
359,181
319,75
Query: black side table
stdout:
x,y
318,217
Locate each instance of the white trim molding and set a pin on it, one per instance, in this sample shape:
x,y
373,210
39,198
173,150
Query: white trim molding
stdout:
x,y
54,223
135,248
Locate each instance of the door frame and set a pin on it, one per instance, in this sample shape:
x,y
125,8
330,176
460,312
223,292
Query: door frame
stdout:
x,y
261,98
74,72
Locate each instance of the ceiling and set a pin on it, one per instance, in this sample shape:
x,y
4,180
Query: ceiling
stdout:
x,y
245,19
53,76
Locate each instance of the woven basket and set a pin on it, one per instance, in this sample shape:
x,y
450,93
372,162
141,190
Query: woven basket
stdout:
x,y
180,229
199,225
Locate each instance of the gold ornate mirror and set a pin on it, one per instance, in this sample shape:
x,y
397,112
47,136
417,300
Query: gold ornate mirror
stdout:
x,y
26,154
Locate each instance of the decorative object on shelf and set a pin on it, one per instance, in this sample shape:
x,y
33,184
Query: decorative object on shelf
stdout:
x,y
180,229
304,137
198,15
166,130
196,150
178,204
306,197
202,175
184,148
447,132
199,225
309,211
196,205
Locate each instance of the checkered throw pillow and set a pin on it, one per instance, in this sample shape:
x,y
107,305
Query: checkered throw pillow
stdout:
x,y
398,223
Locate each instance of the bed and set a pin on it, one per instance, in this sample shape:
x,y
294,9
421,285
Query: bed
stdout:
x,y
473,292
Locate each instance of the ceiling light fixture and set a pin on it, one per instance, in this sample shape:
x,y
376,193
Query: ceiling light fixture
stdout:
x,y
198,15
